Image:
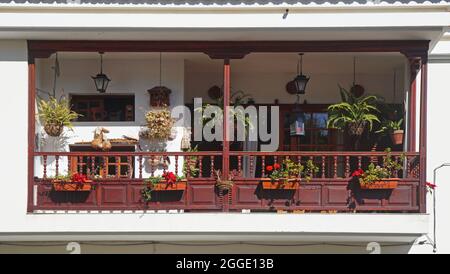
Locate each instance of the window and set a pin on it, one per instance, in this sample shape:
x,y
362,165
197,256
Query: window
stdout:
x,y
103,107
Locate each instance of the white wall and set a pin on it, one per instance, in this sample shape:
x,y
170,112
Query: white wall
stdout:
x,y
129,76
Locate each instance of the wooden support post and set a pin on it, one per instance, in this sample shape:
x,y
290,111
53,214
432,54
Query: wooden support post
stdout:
x,y
31,130
226,143
423,135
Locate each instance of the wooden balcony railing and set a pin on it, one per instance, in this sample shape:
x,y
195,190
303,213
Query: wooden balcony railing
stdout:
x,y
118,178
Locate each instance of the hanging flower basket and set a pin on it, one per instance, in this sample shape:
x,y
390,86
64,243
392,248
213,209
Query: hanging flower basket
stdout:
x,y
388,183
282,183
224,185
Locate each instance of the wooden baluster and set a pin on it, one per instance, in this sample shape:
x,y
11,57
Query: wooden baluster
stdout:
x,y
396,171
57,165
299,161
79,163
212,165
69,160
240,165
130,170
359,162
164,157
275,159
347,166
176,164
105,167
263,166
140,166
152,165
92,166
200,166
335,165
323,166
45,167
408,167
311,158
251,164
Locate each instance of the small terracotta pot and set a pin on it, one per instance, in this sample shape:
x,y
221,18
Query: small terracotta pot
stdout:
x,y
397,137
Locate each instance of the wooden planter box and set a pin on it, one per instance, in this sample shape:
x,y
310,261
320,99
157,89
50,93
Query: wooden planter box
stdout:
x,y
169,187
287,184
390,183
59,185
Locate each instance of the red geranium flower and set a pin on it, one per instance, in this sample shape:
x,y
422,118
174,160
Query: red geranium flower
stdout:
x,y
276,166
269,168
78,178
430,185
170,177
357,172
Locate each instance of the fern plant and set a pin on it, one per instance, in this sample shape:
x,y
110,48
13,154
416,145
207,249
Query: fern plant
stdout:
x,y
55,115
353,113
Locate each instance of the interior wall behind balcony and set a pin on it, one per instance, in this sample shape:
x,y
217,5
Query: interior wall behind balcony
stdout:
x,y
264,76
129,76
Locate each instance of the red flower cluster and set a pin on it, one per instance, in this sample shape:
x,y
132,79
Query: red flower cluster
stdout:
x,y
357,172
271,168
79,178
170,177
430,185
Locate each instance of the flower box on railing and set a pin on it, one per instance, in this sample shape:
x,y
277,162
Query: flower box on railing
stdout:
x,y
163,186
283,183
60,185
388,183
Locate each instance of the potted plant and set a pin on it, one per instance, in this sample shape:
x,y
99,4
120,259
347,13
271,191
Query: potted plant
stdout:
x,y
288,174
225,185
159,124
380,177
394,129
167,182
353,113
73,182
55,115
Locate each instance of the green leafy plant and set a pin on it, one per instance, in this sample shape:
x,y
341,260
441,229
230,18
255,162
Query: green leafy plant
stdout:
x,y
353,113
151,182
55,115
289,169
190,163
375,173
389,126
237,98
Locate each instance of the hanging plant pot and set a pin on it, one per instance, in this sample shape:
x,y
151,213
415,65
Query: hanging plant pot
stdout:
x,y
357,129
388,183
284,183
53,129
60,185
397,137
224,185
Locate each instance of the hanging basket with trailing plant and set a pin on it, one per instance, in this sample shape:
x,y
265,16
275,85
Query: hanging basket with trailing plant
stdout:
x,y
159,124
55,115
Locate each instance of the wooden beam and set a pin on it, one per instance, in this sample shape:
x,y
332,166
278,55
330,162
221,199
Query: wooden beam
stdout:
x,y
423,135
229,49
31,131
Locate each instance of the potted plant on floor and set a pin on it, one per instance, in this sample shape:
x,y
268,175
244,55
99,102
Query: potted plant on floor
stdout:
x,y
55,115
394,129
167,182
288,174
71,182
380,177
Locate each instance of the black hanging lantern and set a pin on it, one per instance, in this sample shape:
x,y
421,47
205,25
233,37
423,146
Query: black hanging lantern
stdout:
x,y
298,85
101,80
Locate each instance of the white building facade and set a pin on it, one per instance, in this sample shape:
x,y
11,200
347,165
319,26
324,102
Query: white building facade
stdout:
x,y
376,45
